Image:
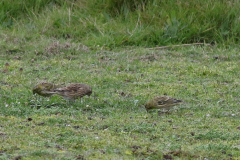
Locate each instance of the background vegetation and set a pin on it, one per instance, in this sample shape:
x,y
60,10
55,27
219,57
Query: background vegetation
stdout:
x,y
104,43
114,23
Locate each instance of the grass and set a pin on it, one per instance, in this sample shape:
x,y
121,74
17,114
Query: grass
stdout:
x,y
113,123
111,23
104,44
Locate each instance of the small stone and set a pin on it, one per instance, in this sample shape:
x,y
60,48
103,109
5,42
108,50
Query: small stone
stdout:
x,y
76,127
192,133
42,123
89,118
230,155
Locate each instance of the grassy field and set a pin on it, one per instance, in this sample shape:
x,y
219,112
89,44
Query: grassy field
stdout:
x,y
106,44
113,123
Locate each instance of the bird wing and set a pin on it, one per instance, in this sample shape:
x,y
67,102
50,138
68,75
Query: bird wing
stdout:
x,y
70,88
73,87
165,99
162,99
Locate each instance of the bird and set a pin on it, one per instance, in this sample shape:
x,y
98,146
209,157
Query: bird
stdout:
x,y
42,88
162,102
72,91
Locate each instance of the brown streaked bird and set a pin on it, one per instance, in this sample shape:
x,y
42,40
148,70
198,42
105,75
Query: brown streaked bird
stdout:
x,y
42,88
162,102
72,91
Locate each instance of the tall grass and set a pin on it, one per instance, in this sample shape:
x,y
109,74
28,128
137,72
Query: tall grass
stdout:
x,y
113,23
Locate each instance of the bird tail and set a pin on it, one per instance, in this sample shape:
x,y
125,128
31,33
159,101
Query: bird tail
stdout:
x,y
178,101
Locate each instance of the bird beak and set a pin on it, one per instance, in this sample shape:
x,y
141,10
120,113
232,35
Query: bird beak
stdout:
x,y
146,107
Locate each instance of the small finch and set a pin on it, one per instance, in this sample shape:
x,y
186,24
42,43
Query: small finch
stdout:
x,y
42,88
72,91
162,102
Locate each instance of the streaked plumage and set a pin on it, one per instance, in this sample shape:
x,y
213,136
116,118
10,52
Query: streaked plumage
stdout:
x,y
73,91
162,102
42,87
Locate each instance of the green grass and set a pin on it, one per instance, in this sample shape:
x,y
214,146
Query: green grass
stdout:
x,y
104,44
117,23
113,123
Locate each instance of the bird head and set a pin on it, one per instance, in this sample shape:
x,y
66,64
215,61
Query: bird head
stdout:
x,y
37,89
148,106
